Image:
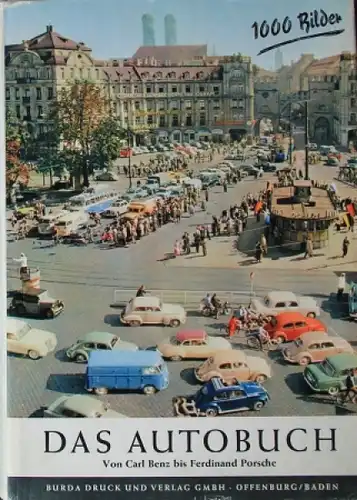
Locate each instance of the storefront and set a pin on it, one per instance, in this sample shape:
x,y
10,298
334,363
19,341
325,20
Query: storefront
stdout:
x,y
162,136
189,136
297,230
204,134
217,135
176,135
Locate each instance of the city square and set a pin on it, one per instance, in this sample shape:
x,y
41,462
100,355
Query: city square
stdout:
x,y
183,110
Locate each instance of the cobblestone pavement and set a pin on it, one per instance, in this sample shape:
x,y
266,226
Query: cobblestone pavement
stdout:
x,y
86,279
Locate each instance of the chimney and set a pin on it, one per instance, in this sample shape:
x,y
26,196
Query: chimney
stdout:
x,y
49,28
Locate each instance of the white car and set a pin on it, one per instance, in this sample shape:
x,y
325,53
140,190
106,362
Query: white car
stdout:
x,y
277,302
80,406
31,342
119,207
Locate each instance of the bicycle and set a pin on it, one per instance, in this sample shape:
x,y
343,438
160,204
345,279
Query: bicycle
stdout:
x,y
267,344
342,398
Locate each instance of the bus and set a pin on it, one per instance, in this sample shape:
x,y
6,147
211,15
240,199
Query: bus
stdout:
x,y
71,223
97,199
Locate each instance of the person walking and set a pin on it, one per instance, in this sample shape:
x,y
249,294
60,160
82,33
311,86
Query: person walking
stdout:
x,y
204,246
197,242
258,252
345,245
341,285
308,248
263,244
351,386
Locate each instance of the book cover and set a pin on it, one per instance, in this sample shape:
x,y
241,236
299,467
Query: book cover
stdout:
x,y
179,249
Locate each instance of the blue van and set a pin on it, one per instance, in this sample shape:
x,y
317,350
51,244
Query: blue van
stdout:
x,y
145,371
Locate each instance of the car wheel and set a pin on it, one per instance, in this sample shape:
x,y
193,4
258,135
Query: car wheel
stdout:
x,y
258,405
135,322
280,339
311,315
176,358
333,391
80,358
175,323
33,354
260,379
304,361
211,412
206,312
100,391
149,389
49,314
20,309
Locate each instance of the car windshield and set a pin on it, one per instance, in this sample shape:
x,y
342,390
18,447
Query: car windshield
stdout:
x,y
174,341
23,331
298,342
328,368
114,341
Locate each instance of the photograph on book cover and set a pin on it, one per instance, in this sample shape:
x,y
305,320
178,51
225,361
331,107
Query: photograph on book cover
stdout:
x,y
180,189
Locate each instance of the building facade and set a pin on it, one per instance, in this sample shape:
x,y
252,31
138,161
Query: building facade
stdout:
x,y
180,93
188,97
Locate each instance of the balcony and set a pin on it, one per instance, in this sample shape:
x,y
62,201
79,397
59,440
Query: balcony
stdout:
x,y
352,123
26,100
26,80
27,118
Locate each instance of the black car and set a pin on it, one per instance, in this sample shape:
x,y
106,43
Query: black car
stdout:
x,y
35,302
268,167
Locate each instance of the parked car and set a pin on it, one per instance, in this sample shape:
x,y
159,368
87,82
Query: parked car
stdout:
x,y
269,167
216,398
314,347
313,146
125,153
250,169
232,366
332,161
151,311
119,207
276,302
80,406
93,341
191,344
288,326
35,302
32,342
107,176
143,371
330,375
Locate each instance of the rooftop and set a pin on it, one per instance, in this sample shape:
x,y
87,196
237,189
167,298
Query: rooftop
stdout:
x,y
183,335
173,53
326,66
323,208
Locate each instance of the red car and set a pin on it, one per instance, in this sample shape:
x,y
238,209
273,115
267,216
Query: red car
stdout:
x,y
125,153
288,326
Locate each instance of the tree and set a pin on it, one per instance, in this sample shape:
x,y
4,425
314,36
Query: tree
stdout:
x,y
77,113
16,170
106,142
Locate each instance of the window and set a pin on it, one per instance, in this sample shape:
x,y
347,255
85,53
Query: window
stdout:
x,y
89,345
161,105
222,395
50,93
202,104
162,122
17,94
216,104
7,94
137,105
293,304
216,90
353,103
202,119
161,90
174,104
236,394
313,347
27,93
38,94
225,366
71,72
125,106
175,121
148,89
188,105
280,305
18,112
327,345
288,326
71,414
40,112
150,120
234,103
28,111
188,121
103,347
201,88
188,89
300,324
136,89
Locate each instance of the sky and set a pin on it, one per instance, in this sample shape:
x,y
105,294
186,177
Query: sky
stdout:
x,y
113,29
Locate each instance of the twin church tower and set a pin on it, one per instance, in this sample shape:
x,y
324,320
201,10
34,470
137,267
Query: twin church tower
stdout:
x,y
148,22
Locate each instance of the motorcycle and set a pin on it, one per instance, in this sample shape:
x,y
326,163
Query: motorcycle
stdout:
x,y
223,310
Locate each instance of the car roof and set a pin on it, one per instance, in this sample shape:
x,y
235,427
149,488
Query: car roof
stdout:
x,y
13,325
146,301
229,355
86,405
291,316
314,337
117,358
190,335
343,360
97,336
275,296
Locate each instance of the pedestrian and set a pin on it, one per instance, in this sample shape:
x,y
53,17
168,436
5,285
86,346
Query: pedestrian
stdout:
x,y
258,252
308,247
341,285
351,385
204,247
263,244
225,187
206,195
345,245
177,248
197,242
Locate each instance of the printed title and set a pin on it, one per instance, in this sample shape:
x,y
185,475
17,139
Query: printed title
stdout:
x,y
296,440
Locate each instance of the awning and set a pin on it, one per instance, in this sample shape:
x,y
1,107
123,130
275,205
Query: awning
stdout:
x,y
217,131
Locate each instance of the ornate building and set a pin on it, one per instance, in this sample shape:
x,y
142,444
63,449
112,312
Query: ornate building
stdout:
x,y
173,92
